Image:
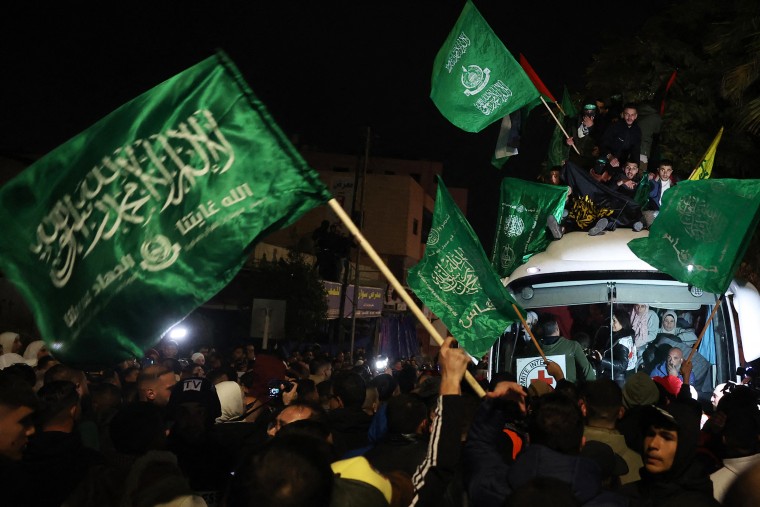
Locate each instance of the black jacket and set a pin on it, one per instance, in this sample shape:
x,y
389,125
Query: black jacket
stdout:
x,y
493,476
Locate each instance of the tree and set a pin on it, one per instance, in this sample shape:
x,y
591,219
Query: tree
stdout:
x,y
683,37
297,282
736,40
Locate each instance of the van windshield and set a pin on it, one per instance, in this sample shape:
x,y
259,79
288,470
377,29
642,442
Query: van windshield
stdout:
x,y
649,319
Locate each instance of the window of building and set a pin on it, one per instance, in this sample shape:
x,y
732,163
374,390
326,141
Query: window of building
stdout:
x,y
427,224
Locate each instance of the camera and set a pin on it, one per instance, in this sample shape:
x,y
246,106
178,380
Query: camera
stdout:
x,y
275,388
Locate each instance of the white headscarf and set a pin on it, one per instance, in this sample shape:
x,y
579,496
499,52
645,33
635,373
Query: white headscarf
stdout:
x,y
7,339
231,400
10,359
675,329
32,349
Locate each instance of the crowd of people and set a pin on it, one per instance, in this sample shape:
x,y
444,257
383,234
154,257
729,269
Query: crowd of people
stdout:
x,y
249,428
615,150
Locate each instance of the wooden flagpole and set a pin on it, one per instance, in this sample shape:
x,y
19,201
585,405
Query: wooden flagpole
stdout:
x,y
530,333
558,123
400,290
702,334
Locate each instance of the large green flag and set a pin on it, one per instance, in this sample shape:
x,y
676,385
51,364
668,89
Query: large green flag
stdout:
x,y
118,234
456,281
521,228
476,80
702,231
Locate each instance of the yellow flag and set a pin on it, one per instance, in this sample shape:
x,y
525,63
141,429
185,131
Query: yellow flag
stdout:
x,y
704,169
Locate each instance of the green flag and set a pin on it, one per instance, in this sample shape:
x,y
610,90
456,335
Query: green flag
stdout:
x,y
567,104
118,234
558,148
455,280
476,80
521,228
642,191
702,231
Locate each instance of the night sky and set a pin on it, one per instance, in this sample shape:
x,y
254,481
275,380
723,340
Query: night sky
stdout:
x,y
325,70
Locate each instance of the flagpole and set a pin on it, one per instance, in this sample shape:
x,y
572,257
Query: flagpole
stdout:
x,y
558,123
400,290
702,334
530,333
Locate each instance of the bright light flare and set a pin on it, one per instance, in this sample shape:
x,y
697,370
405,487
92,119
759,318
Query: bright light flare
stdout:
x,y
178,333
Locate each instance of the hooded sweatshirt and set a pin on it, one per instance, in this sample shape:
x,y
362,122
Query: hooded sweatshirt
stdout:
x,y
686,483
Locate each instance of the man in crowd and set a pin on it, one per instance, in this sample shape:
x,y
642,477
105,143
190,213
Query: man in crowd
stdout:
x,y
622,140
154,384
602,402
577,365
672,366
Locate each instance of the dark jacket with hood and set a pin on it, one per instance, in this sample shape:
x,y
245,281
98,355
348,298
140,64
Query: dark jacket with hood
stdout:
x,y
686,483
493,476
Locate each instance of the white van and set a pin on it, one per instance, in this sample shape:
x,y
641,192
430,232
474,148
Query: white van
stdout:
x,y
579,276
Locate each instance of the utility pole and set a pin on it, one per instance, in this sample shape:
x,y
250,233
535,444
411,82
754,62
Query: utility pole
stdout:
x,y
359,224
358,180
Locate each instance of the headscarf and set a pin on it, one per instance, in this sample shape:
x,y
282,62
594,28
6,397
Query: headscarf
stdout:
x,y
675,320
32,349
640,326
7,339
231,400
10,359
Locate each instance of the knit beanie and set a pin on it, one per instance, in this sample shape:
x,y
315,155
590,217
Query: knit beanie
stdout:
x,y
640,389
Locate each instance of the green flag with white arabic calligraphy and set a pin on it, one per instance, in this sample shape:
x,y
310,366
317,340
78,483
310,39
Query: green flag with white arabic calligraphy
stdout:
x,y
702,231
119,233
456,281
521,228
476,80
